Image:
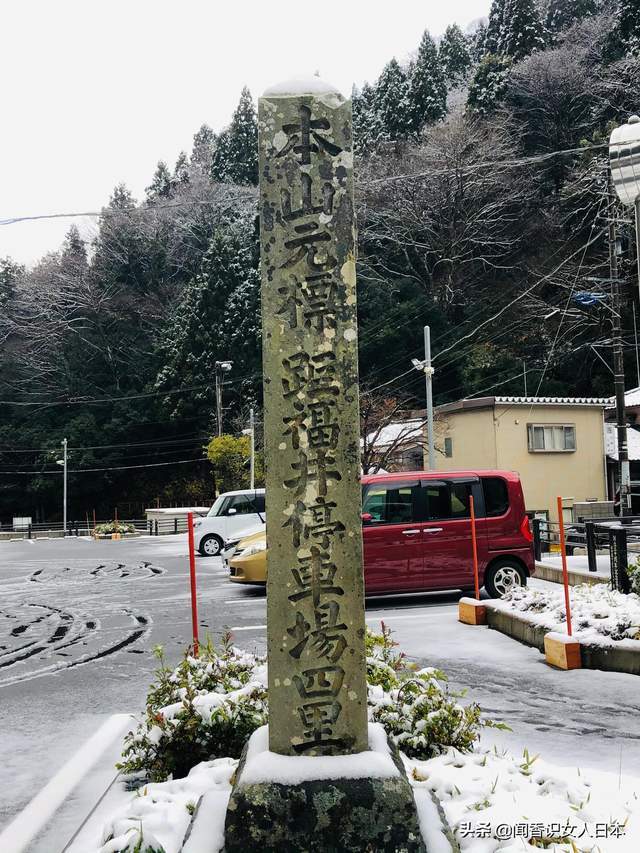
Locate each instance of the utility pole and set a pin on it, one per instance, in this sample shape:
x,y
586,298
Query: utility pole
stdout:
x,y
64,487
635,338
428,373
221,367
624,474
251,432
524,376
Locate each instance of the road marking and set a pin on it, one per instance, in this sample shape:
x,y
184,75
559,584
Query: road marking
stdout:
x,y
245,628
245,601
23,828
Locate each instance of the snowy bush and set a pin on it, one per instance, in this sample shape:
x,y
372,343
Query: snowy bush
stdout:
x,y
112,527
634,576
600,616
204,709
208,707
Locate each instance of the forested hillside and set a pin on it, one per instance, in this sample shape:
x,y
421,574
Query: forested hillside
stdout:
x,y
482,210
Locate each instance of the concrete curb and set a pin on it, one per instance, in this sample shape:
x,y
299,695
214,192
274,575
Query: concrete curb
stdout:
x,y
545,572
593,657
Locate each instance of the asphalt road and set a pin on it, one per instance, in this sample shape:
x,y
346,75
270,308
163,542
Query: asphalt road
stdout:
x,y
78,621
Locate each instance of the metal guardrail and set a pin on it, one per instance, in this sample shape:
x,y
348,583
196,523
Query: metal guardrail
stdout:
x,y
614,535
151,527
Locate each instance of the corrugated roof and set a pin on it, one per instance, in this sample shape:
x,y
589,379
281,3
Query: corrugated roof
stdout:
x,y
553,401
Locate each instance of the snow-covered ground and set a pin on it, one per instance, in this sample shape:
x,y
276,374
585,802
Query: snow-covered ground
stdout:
x,y
585,718
494,801
600,616
580,564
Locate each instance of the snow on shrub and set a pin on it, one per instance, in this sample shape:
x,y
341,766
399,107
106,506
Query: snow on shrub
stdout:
x,y
634,576
206,708
599,615
209,706
112,527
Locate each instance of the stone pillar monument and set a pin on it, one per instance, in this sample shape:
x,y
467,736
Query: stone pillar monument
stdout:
x,y
301,801
315,600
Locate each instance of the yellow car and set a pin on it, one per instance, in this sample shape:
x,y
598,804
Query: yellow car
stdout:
x,y
249,563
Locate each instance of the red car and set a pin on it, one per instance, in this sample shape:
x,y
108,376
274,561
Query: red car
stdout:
x,y
417,531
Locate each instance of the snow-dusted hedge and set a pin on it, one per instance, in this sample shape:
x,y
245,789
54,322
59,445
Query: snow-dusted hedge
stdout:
x,y
112,527
600,616
208,707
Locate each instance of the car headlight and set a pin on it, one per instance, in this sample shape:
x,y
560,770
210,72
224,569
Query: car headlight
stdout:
x,y
256,548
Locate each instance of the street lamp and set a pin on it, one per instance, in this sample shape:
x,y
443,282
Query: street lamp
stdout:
x,y
251,432
63,462
221,368
624,159
624,162
425,367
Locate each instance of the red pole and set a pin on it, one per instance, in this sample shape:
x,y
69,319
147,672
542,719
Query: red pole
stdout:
x,y
192,572
474,544
565,573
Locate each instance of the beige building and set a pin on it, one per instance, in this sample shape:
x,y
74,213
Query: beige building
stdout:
x,y
556,444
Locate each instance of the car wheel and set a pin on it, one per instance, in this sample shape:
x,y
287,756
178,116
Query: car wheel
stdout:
x,y
210,546
503,576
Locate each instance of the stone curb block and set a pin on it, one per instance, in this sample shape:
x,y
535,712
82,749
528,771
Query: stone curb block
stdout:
x,y
545,572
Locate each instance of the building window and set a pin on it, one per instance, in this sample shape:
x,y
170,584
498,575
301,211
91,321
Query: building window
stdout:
x,y
551,438
448,447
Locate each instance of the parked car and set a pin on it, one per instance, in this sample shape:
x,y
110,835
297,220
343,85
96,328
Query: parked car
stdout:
x,y
233,514
417,534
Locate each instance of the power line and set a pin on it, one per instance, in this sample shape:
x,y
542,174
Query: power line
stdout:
x,y
520,161
116,468
12,220
160,443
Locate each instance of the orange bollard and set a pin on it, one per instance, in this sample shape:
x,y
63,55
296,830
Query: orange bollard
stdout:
x,y
192,573
474,545
565,572
471,611
561,650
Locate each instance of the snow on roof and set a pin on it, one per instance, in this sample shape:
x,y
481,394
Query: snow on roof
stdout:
x,y
400,431
611,442
552,401
631,398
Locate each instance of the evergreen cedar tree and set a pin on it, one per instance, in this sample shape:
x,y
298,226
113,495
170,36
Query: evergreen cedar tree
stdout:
x,y
164,289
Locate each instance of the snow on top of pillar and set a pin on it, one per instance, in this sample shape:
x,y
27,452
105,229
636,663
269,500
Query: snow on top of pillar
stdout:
x,y
312,85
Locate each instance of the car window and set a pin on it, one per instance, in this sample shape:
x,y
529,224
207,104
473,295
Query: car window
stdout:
x,y
243,505
496,496
217,507
390,503
448,500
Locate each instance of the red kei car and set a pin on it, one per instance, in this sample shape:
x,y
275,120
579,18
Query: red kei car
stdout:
x,y
417,531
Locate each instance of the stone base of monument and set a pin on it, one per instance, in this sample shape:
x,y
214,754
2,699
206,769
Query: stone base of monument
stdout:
x,y
330,804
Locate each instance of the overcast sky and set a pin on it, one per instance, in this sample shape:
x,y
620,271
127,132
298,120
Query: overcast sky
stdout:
x,y
95,92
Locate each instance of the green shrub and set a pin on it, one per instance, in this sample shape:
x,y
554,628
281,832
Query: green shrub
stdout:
x,y
634,576
186,723
112,527
209,706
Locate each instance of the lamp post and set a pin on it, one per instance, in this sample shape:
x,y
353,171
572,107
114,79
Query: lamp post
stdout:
x,y
624,162
251,432
425,367
221,368
63,462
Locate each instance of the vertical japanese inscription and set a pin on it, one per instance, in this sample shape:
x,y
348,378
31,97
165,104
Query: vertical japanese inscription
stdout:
x,y
315,601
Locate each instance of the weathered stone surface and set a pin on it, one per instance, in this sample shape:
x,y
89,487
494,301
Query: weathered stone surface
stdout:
x,y
315,601
337,816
